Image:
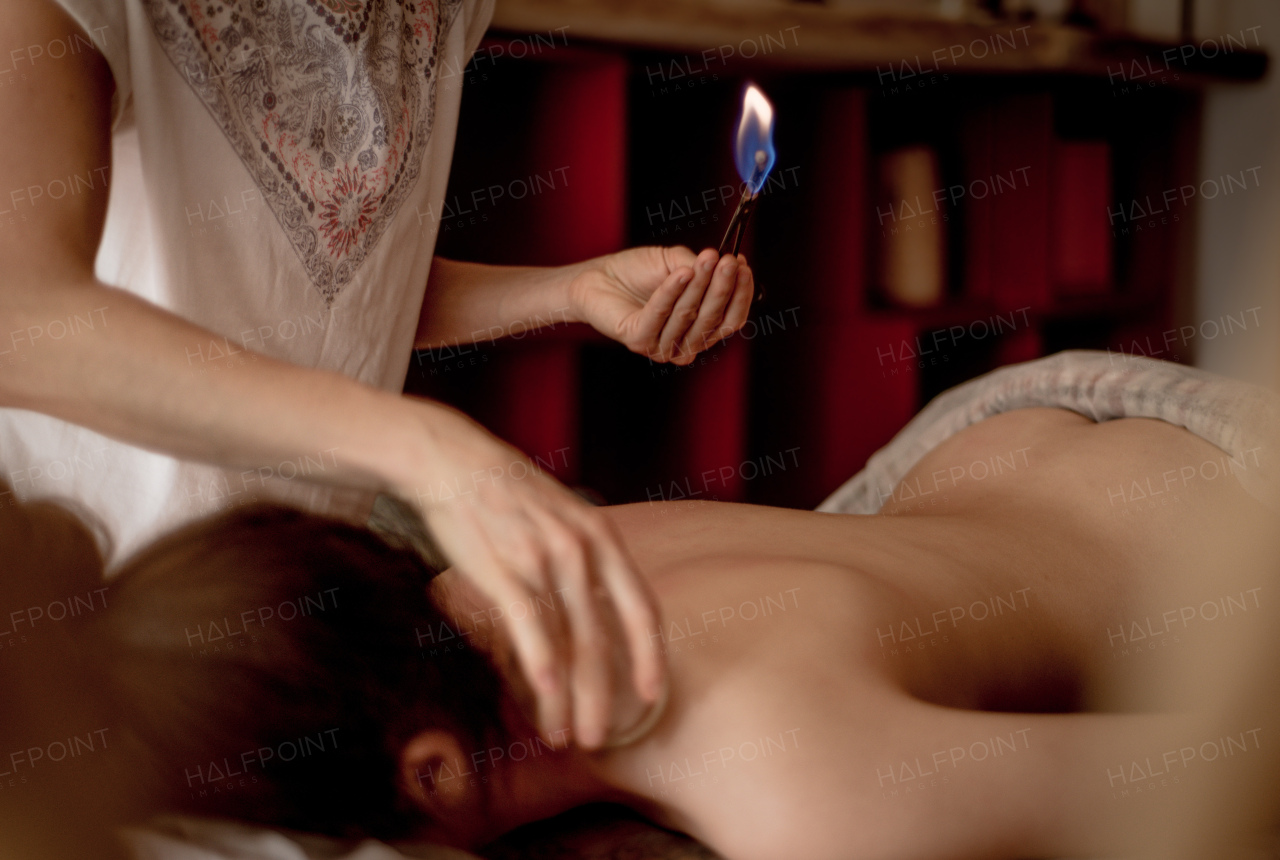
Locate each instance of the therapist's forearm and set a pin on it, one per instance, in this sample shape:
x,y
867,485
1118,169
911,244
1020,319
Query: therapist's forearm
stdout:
x,y
130,375
76,349
469,302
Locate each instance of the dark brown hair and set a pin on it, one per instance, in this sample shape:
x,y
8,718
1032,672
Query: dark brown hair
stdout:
x,y
239,705
56,800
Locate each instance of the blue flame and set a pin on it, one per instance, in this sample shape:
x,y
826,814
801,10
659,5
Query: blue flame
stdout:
x,y
755,134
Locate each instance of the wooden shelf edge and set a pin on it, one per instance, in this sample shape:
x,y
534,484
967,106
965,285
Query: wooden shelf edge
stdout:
x,y
819,38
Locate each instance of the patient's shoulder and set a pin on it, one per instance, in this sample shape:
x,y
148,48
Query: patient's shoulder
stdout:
x,y
775,593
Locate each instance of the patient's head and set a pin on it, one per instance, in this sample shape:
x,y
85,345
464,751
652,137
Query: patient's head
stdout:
x,y
272,665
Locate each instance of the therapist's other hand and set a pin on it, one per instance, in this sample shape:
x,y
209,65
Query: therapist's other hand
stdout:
x,y
517,534
668,304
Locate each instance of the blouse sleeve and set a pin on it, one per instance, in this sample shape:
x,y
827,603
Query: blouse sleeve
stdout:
x,y
480,14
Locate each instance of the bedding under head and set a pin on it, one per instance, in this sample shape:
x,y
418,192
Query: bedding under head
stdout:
x,y
598,832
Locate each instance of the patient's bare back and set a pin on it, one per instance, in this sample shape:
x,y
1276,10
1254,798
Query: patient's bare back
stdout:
x,y
804,647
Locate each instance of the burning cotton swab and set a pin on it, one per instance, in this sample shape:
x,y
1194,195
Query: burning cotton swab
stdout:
x,y
754,156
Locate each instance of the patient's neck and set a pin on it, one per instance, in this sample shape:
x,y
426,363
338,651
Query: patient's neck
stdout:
x,y
530,777
543,785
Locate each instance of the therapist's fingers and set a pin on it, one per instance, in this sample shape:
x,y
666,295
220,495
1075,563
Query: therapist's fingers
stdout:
x,y
610,608
635,605
533,638
654,315
678,256
735,315
520,549
592,677
711,311
540,661
590,671
685,312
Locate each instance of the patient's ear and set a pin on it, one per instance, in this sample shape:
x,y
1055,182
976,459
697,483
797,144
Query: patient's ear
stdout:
x,y
443,780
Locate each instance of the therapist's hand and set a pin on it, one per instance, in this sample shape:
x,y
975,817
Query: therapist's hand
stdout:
x,y
668,304
516,534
